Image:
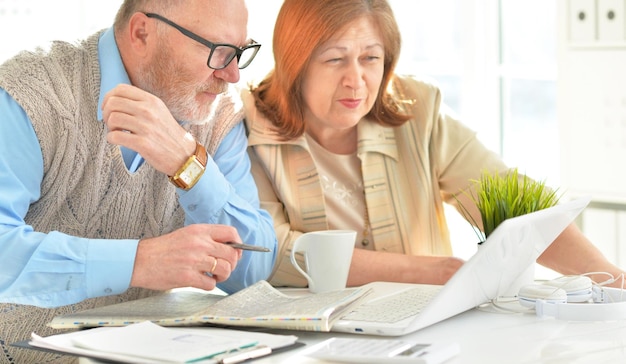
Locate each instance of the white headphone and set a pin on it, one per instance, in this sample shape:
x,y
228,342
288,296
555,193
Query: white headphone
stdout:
x,y
575,298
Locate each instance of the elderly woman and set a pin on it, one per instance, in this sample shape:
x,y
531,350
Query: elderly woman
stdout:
x,y
339,141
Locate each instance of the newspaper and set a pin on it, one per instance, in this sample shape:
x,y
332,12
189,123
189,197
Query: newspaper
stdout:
x,y
259,305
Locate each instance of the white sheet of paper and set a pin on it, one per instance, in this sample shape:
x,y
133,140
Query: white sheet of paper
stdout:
x,y
151,341
66,342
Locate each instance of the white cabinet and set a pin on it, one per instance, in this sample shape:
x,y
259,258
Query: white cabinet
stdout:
x,y
610,20
591,110
581,20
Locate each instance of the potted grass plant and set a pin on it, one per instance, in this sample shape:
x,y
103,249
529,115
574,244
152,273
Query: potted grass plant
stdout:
x,y
502,196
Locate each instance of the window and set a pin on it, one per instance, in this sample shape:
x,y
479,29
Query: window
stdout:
x,y
26,24
528,87
495,62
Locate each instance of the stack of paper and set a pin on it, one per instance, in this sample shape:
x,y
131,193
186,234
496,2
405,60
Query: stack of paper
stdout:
x,y
147,341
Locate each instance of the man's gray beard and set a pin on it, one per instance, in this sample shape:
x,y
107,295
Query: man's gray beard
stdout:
x,y
182,109
209,120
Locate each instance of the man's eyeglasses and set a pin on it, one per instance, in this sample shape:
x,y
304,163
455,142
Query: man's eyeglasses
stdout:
x,y
221,53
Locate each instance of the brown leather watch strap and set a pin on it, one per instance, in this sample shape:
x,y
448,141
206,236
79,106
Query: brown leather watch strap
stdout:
x,y
200,153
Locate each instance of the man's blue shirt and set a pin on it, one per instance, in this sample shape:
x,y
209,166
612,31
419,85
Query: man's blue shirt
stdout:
x,y
56,269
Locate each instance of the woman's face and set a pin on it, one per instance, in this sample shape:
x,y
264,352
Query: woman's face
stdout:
x,y
342,80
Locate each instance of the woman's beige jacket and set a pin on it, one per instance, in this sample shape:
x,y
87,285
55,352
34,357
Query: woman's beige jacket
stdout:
x,y
408,173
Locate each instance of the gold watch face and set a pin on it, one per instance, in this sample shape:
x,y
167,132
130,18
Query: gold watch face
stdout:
x,y
192,173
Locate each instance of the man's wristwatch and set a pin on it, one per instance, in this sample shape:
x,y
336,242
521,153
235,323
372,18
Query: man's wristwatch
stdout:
x,y
187,176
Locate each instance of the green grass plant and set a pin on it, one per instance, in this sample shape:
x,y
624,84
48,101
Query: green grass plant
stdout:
x,y
503,196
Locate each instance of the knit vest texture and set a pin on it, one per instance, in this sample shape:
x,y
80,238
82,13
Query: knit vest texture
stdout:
x,y
87,191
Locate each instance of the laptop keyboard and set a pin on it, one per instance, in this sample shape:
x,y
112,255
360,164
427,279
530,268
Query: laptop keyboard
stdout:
x,y
395,307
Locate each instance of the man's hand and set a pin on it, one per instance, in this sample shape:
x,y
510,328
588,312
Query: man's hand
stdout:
x,y
140,121
193,256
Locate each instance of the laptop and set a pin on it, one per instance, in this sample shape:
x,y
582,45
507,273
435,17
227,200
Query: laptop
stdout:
x,y
509,250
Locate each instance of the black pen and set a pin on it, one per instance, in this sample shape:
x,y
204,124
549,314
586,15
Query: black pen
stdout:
x,y
248,247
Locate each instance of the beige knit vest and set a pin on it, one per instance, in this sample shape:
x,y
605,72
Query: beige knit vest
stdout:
x,y
86,190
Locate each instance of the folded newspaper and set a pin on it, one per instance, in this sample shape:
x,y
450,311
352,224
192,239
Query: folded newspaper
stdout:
x,y
259,305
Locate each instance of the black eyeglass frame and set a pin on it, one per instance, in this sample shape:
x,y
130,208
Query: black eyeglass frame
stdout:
x,y
238,50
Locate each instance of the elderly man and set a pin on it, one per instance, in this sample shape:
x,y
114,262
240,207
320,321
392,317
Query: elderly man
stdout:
x,y
123,167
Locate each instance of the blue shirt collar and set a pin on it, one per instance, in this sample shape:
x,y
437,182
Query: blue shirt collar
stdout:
x,y
112,71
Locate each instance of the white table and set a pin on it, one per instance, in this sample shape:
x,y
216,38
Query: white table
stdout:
x,y
486,335
489,336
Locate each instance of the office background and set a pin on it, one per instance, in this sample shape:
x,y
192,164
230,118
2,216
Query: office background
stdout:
x,y
541,81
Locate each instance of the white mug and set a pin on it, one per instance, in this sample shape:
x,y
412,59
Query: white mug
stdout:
x,y
327,255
